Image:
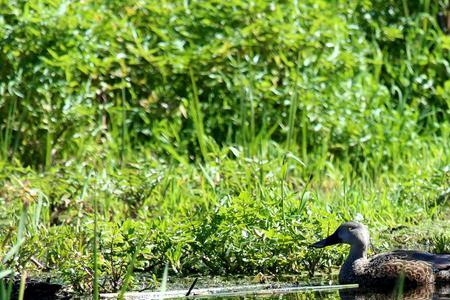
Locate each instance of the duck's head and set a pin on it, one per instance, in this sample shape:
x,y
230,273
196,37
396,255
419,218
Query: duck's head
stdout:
x,y
352,233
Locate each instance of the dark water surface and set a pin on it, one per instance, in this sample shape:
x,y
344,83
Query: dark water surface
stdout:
x,y
426,292
284,287
317,292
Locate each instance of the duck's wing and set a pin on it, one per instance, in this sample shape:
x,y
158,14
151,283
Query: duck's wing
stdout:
x,y
438,261
388,266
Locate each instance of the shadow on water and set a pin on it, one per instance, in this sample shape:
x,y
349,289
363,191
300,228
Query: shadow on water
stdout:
x,y
419,293
281,288
422,293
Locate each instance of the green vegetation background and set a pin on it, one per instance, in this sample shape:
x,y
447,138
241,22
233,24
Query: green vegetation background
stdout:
x,y
220,137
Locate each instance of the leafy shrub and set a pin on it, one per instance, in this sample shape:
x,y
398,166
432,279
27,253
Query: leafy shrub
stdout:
x,y
76,76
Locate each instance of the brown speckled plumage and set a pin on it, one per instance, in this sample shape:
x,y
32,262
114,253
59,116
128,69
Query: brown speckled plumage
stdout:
x,y
385,269
417,268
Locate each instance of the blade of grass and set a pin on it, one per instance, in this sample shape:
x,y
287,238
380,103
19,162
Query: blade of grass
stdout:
x,y
20,237
23,279
130,268
292,115
8,130
123,127
164,280
197,117
95,294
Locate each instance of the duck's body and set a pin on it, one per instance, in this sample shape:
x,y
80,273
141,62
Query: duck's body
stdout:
x,y
384,269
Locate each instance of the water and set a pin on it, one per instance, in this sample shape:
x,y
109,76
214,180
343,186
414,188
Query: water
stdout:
x,y
268,292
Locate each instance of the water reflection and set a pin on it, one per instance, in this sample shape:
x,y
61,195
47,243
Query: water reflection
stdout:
x,y
422,293
310,292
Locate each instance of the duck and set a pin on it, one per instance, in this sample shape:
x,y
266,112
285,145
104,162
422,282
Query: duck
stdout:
x,y
418,268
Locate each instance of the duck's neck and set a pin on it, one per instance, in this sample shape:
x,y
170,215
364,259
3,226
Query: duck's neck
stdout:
x,y
350,270
357,251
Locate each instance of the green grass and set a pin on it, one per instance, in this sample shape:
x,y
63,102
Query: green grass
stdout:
x,y
217,138
229,223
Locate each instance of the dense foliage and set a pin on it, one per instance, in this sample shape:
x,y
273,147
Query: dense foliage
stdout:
x,y
220,137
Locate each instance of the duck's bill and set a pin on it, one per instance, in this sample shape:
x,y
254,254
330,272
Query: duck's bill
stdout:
x,y
331,240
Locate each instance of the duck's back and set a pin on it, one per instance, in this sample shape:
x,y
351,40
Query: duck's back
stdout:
x,y
393,266
438,261
417,267
385,269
